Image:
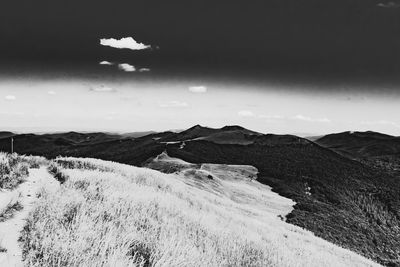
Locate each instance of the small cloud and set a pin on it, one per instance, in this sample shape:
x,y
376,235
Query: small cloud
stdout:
x,y
309,119
198,89
10,97
389,5
51,93
107,63
126,67
124,43
246,113
144,70
102,89
174,104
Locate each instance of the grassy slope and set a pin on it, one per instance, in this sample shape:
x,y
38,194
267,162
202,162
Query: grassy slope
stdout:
x,y
109,214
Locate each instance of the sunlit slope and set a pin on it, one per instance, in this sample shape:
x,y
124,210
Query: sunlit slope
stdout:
x,y
235,182
110,214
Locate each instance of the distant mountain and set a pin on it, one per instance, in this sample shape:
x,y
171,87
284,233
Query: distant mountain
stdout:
x,y
196,131
313,138
6,134
137,134
361,144
226,135
234,135
342,200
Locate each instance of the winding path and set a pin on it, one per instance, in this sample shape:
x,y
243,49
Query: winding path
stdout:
x,y
10,229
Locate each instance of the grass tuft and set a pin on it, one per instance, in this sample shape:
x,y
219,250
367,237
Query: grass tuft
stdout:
x,y
9,210
13,170
55,169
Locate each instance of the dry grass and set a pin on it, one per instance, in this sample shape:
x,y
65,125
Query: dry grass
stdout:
x,y
9,210
34,162
56,171
13,170
109,214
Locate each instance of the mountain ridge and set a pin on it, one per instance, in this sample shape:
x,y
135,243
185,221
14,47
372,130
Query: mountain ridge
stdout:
x,y
361,144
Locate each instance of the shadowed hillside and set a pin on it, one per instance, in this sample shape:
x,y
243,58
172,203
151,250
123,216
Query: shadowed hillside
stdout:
x,y
6,134
361,144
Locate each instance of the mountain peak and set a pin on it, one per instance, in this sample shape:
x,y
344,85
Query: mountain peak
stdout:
x,y
197,126
232,128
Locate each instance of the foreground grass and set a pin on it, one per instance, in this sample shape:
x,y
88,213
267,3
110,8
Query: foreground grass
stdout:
x,y
9,210
12,171
14,168
109,214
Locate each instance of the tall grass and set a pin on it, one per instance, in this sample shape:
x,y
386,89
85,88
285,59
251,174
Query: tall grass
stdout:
x,y
109,214
8,211
13,170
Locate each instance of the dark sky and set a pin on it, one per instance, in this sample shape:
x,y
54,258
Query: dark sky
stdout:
x,y
282,66
335,36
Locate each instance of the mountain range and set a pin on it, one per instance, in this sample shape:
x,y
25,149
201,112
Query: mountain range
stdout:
x,y
345,185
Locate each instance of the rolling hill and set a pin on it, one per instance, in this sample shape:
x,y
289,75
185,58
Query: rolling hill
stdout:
x,y
6,134
361,144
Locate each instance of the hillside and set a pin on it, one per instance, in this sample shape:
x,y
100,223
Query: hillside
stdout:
x,y
347,202
110,214
361,144
338,199
6,134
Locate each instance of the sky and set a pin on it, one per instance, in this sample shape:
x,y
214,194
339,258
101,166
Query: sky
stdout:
x,y
305,67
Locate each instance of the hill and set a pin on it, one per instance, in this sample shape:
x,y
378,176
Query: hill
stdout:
x,y
361,144
137,134
6,134
110,214
347,202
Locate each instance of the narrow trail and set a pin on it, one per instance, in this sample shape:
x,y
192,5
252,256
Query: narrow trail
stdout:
x,y
10,229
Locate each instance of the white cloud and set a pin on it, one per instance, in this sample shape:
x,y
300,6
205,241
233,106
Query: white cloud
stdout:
x,y
108,63
309,119
246,113
126,67
102,88
198,89
127,43
10,97
51,92
174,104
144,69
389,5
